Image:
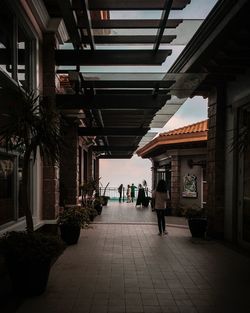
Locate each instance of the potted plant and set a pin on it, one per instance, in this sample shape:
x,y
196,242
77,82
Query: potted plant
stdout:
x,y
87,191
92,212
104,198
98,202
197,221
28,259
28,124
70,221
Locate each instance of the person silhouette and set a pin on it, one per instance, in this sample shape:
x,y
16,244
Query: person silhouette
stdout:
x,y
133,187
120,188
141,196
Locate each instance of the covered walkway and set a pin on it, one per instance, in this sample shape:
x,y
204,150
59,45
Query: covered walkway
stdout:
x,y
124,267
124,212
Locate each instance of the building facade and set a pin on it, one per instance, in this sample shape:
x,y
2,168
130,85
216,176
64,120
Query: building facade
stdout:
x,y
28,37
179,157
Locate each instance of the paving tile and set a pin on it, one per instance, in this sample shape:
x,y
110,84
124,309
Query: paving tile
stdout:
x,y
128,268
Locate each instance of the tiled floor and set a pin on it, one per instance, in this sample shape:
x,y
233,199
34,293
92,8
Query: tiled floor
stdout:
x,y
128,268
124,212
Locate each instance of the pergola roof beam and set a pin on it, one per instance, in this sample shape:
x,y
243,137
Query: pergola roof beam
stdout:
x,y
108,102
114,148
160,32
123,156
127,24
110,57
110,131
134,5
128,84
70,22
84,12
142,39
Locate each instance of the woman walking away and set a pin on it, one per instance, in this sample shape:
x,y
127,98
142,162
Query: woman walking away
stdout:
x,y
160,196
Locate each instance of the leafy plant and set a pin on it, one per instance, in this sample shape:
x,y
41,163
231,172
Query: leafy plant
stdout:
x,y
29,123
92,212
30,247
75,216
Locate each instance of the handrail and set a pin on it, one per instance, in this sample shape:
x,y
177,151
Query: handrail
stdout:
x,y
113,193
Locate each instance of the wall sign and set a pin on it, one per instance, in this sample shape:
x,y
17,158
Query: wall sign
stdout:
x,y
189,186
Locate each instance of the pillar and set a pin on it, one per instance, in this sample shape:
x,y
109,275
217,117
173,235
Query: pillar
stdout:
x,y
90,168
50,172
216,161
175,183
69,165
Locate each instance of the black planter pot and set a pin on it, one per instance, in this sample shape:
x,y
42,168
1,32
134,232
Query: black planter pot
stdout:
x,y
198,226
28,278
98,208
91,217
70,233
105,200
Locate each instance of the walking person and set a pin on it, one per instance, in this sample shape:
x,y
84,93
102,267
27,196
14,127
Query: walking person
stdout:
x,y
120,188
160,197
132,192
128,194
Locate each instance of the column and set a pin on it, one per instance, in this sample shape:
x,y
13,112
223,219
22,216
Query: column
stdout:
x,y
69,165
90,173
216,162
50,173
175,183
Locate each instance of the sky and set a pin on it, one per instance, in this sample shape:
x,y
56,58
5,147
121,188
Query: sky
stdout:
x,y
135,170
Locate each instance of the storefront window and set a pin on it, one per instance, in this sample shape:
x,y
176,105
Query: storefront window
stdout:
x,y
7,203
246,182
15,47
6,35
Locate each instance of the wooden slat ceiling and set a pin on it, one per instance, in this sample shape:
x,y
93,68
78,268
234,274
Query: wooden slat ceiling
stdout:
x,y
118,111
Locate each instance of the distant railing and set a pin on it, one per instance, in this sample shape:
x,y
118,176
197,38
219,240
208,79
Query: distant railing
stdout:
x,y
113,193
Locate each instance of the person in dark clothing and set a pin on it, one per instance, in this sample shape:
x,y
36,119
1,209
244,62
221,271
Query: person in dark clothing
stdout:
x,y
120,188
160,196
141,196
132,192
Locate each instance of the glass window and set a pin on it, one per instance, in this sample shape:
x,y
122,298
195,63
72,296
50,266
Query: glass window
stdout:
x,y
7,203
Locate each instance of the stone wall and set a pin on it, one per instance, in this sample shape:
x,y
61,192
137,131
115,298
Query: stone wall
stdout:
x,y
216,161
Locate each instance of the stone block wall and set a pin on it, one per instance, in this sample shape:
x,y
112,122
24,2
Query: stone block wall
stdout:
x,y
216,161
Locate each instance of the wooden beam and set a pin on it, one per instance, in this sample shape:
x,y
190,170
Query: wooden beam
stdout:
x,y
123,156
112,132
84,12
128,84
167,7
96,5
144,39
119,24
110,57
70,22
114,148
110,102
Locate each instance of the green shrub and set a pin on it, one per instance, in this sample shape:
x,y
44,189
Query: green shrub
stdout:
x,y
75,216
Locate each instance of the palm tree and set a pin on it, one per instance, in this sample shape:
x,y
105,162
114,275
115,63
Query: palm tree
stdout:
x,y
29,124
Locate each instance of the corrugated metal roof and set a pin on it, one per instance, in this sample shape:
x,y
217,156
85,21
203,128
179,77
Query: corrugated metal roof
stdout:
x,y
189,129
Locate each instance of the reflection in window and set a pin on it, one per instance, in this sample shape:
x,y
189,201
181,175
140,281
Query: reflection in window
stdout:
x,y
7,211
20,189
